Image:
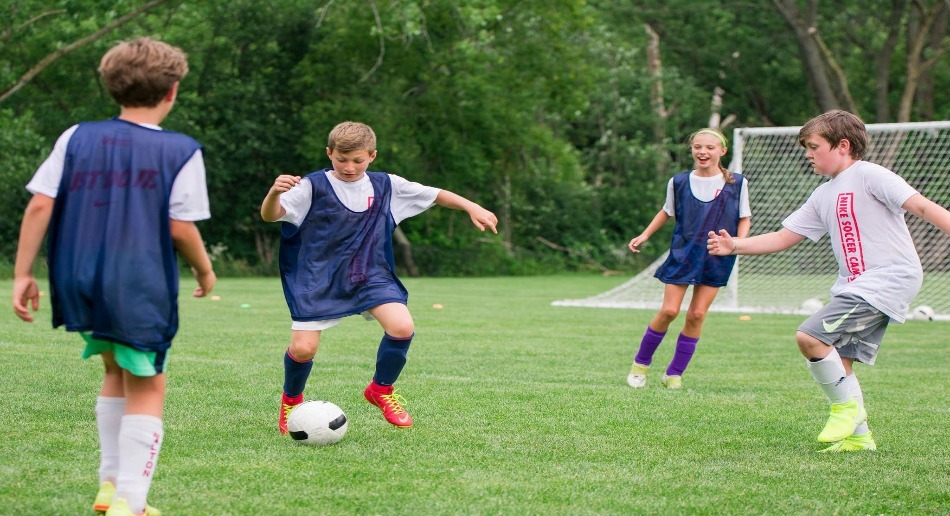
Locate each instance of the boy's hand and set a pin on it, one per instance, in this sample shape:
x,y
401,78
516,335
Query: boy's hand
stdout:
x,y
25,290
636,242
206,282
284,182
721,244
483,218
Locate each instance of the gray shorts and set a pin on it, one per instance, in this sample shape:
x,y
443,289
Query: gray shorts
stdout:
x,y
850,324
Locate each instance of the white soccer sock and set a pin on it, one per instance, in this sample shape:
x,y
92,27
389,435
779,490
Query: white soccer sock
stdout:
x,y
830,374
855,389
139,442
109,420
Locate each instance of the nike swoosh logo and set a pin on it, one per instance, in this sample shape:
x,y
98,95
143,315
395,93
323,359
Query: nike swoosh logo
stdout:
x,y
834,326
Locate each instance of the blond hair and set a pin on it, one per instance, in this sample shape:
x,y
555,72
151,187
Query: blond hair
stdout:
x,y
726,174
351,136
141,72
837,125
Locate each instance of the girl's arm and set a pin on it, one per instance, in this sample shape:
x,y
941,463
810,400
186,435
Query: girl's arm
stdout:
x,y
661,218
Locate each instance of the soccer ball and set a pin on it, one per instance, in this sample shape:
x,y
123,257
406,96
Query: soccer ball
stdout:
x,y
316,422
923,313
812,305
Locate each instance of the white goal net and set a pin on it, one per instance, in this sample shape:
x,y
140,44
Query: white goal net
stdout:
x,y
780,180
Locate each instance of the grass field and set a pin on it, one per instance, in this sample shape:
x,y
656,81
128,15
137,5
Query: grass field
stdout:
x,y
519,408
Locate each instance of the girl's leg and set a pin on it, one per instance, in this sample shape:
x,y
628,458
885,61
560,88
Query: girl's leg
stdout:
x,y
703,297
653,336
672,299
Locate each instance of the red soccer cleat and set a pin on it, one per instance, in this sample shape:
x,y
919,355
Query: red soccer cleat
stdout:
x,y
385,397
286,405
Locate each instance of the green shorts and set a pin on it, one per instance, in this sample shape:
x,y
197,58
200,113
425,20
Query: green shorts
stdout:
x,y
139,363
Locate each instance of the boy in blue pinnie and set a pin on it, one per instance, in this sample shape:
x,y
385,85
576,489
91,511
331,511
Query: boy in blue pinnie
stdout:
x,y
336,259
119,197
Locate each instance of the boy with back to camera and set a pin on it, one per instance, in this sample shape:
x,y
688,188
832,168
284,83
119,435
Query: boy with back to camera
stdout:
x,y
861,208
336,259
119,197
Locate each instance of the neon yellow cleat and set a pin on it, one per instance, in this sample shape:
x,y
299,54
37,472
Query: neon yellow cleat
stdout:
x,y
852,443
842,421
121,508
104,497
638,376
672,381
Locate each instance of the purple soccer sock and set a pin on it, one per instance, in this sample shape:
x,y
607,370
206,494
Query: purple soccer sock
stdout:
x,y
685,347
651,340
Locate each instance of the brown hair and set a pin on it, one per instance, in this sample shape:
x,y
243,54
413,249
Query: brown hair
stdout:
x,y
835,126
351,136
141,72
726,174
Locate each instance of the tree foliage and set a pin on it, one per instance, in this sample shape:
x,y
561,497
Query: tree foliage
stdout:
x,y
565,117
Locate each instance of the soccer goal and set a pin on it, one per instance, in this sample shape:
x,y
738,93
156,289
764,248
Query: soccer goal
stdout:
x,y
780,180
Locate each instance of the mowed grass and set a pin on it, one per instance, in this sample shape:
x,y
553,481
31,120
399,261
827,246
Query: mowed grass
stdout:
x,y
519,408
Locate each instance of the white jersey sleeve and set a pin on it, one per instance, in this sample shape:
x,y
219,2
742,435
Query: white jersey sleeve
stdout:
x,y
670,205
296,202
50,173
189,195
745,210
409,198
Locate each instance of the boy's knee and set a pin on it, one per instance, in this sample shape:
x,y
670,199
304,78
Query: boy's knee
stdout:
x,y
303,349
811,347
402,330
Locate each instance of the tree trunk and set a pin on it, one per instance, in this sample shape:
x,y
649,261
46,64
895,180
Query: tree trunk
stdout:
x,y
917,36
925,90
405,251
655,67
882,62
810,50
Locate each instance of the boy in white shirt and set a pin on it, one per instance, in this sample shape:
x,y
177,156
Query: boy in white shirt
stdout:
x,y
861,208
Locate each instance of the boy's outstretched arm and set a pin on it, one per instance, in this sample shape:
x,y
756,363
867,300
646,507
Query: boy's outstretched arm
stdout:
x,y
188,243
271,209
36,219
481,217
928,210
723,244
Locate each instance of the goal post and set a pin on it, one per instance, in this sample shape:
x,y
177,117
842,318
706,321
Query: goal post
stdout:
x,y
780,180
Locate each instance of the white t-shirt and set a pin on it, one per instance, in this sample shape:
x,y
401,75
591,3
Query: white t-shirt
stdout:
x,y
706,189
861,212
408,198
189,195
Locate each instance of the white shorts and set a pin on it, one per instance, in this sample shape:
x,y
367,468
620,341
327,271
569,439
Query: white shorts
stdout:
x,y
325,324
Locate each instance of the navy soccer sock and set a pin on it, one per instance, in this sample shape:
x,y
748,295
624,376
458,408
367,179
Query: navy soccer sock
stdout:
x,y
391,358
295,375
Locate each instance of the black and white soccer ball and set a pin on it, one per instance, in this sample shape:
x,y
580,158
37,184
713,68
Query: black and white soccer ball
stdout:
x,y
922,313
316,422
